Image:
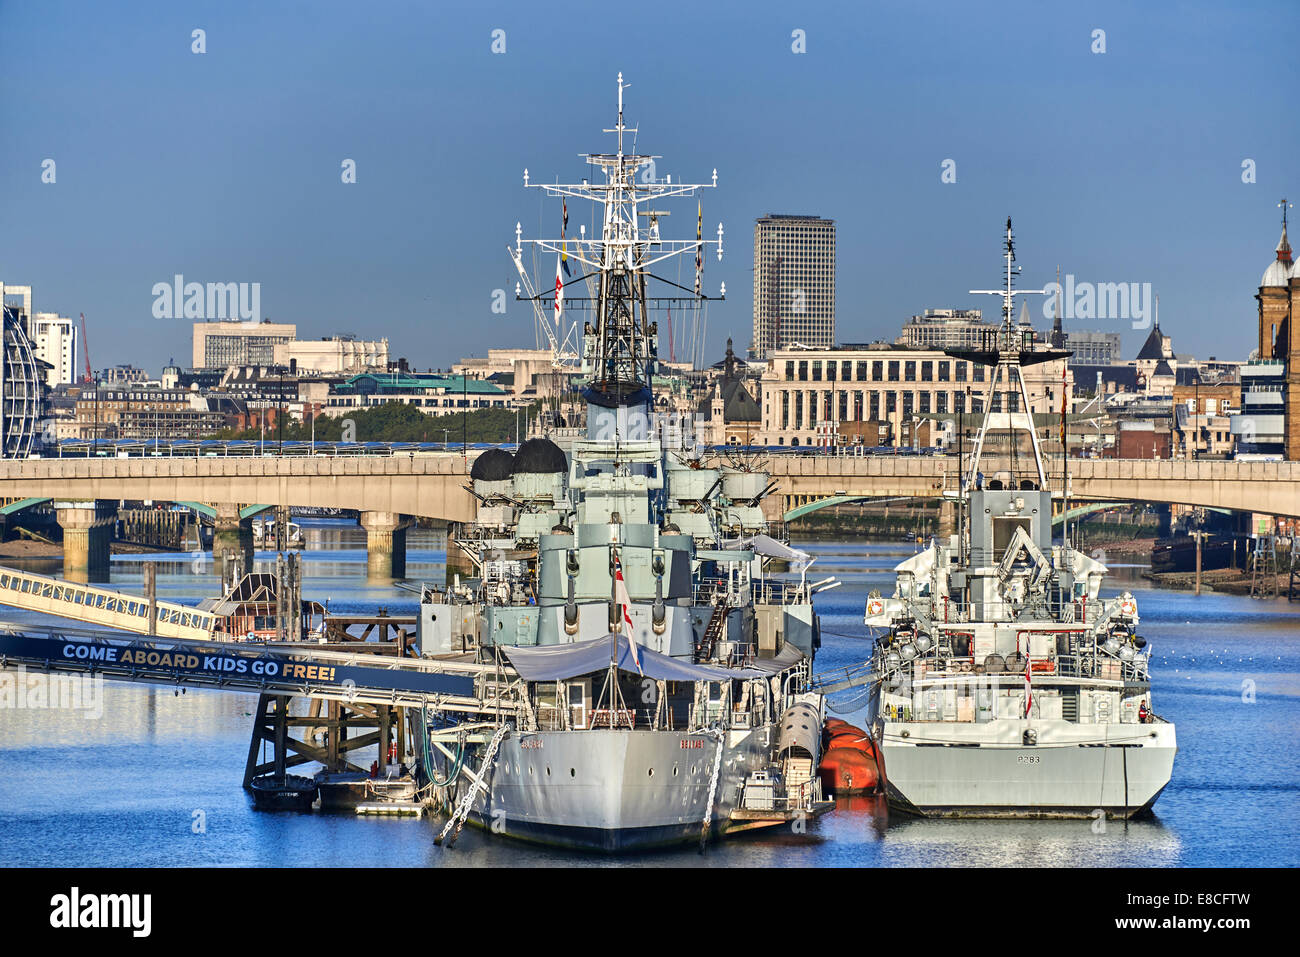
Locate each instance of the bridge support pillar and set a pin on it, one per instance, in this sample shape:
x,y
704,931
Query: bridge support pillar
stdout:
x,y
1165,515
458,562
231,534
87,533
947,519
385,544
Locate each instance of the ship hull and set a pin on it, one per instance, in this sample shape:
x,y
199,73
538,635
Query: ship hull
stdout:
x,y
594,790
1065,775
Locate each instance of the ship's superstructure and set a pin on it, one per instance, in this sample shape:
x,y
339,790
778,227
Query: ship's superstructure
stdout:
x,y
646,678
1006,685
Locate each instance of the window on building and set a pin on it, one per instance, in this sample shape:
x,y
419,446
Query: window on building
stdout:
x,y
924,399
960,371
891,402
861,372
803,370
877,371
830,371
979,372
941,403
909,371
789,370
893,370
927,371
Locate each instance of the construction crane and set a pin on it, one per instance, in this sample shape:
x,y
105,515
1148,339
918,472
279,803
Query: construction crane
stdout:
x,y
85,351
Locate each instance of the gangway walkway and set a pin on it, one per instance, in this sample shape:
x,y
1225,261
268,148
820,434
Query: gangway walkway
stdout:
x,y
102,606
279,669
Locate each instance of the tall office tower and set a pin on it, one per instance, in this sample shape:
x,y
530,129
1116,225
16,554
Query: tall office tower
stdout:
x,y
54,340
794,283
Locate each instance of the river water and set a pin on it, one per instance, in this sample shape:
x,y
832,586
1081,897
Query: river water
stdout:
x,y
155,779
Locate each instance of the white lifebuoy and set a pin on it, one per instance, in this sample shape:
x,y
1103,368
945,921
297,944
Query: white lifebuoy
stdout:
x,y
875,607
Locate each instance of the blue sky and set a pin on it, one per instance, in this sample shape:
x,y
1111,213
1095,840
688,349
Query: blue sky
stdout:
x,y
1120,167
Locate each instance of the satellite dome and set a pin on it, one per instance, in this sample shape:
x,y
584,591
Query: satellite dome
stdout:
x,y
539,456
494,465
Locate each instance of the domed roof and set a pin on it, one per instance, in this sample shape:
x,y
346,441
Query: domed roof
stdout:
x,y
1275,274
539,456
494,465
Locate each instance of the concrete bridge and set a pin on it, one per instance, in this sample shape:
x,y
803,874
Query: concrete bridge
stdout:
x,y
388,491
1271,488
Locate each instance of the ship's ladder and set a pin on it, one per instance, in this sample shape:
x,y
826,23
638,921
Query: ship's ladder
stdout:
x,y
457,820
713,630
713,788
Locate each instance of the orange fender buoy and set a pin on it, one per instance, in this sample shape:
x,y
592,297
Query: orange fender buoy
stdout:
x,y
848,771
851,738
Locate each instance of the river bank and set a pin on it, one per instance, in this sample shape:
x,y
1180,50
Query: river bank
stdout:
x,y
20,548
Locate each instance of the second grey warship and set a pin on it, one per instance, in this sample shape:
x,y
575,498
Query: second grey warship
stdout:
x,y
1005,684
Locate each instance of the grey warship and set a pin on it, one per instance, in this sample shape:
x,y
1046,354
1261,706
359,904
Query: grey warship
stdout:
x,y
644,680
1005,685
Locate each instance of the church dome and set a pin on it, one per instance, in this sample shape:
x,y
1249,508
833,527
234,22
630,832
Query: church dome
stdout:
x,y
494,465
539,456
1277,274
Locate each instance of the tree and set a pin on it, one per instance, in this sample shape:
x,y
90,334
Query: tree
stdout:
x,y
400,422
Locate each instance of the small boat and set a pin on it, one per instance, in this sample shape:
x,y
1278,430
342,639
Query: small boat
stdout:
x,y
342,790
265,534
349,790
291,792
1179,554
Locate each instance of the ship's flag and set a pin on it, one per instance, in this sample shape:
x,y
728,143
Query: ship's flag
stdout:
x,y
559,293
625,607
1029,687
699,246
564,247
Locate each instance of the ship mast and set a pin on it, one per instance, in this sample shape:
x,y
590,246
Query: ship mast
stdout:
x,y
1008,355
621,338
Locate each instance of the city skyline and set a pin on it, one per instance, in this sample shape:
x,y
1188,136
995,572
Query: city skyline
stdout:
x,y
1122,166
